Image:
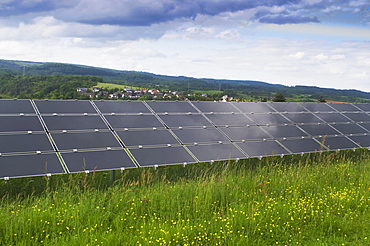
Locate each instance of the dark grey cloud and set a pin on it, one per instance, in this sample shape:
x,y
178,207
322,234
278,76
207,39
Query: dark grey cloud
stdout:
x,y
287,19
147,13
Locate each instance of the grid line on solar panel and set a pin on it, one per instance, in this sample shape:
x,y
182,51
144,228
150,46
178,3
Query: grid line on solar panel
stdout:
x,y
121,107
141,138
64,107
289,131
319,129
332,117
351,128
302,118
25,143
216,152
363,141
85,161
16,107
171,107
358,116
162,156
246,133
183,121
27,165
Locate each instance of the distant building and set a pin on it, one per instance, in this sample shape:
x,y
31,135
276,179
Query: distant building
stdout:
x,y
96,89
82,89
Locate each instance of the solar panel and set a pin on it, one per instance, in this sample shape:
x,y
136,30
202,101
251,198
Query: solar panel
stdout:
x,y
133,121
365,125
215,152
358,117
253,107
20,124
350,129
24,143
343,107
363,141
268,119
284,131
126,107
147,137
300,118
332,117
245,133
29,165
97,160
162,156
171,107
85,140
199,135
64,107
16,106
319,130
339,142
193,120
317,107
88,122
208,107
229,119
287,107
363,106
262,148
297,146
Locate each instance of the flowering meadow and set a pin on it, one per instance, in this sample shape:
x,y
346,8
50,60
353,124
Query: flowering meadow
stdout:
x,y
315,199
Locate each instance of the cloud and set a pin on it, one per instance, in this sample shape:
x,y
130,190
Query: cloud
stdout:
x,y
288,19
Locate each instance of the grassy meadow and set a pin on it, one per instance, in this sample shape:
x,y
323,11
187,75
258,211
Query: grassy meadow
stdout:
x,y
315,199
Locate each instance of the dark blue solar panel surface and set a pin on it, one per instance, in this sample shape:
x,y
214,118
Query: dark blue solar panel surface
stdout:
x,y
24,143
306,145
350,128
185,120
148,137
229,119
162,156
335,143
245,133
171,107
302,118
20,124
268,119
207,107
287,107
29,165
363,141
199,135
317,107
59,123
284,131
97,160
358,117
343,107
262,148
64,107
253,107
215,152
332,117
127,107
16,107
317,130
363,106
133,121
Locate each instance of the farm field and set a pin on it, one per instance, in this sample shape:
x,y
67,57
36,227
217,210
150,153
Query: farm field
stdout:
x,y
315,199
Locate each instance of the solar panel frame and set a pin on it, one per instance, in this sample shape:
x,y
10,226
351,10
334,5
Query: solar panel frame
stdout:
x,y
358,117
317,107
332,117
289,131
253,107
338,142
287,107
341,107
306,145
363,141
349,129
319,130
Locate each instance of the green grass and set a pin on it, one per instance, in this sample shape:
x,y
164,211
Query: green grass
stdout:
x,y
317,199
109,86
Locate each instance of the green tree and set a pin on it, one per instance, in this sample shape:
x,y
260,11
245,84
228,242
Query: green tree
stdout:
x,y
279,97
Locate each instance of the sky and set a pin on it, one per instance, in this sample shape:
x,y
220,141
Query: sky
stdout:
x,y
324,43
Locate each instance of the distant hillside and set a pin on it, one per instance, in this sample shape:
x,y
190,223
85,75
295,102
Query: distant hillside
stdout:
x,y
251,89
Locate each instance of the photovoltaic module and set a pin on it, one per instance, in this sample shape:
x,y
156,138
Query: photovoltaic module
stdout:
x,y
46,137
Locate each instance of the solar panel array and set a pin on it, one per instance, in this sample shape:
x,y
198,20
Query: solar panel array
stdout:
x,y
45,137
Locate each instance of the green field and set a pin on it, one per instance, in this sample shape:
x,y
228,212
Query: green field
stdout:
x,y
109,86
316,199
